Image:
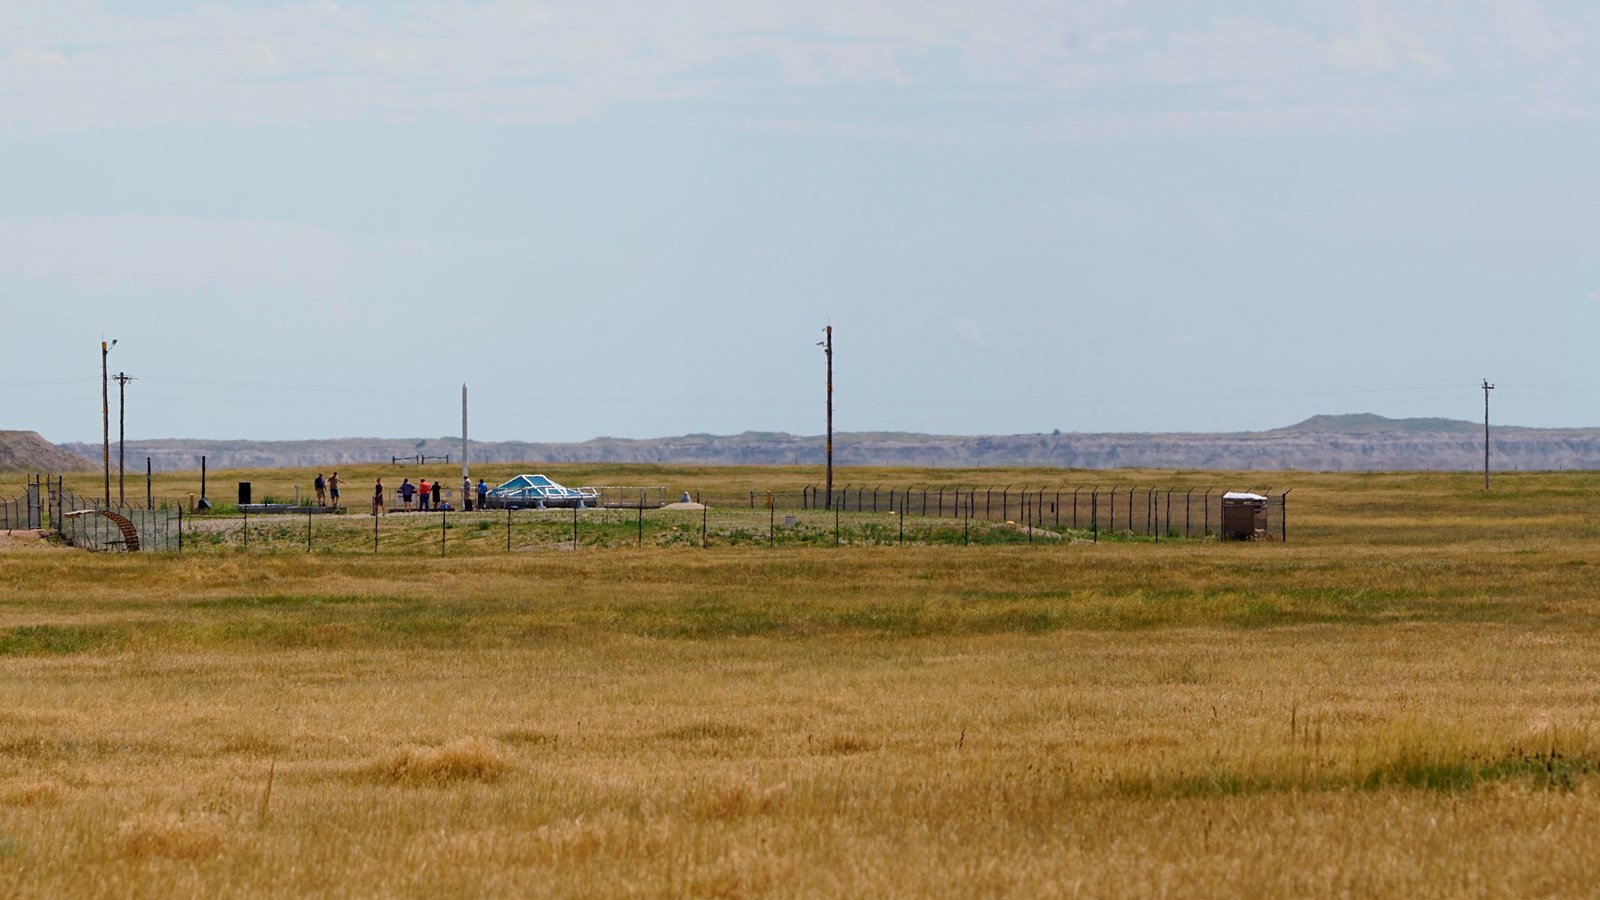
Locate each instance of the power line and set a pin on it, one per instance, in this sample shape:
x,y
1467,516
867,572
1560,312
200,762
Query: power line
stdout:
x,y
43,381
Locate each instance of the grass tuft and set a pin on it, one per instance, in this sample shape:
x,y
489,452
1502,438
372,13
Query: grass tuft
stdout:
x,y
152,836
844,745
740,799
468,759
709,731
528,736
33,792
56,639
252,745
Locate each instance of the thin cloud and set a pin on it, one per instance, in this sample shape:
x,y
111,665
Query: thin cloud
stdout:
x,y
1080,68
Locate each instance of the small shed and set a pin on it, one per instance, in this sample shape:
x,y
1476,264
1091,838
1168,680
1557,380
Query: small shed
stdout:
x,y
1244,516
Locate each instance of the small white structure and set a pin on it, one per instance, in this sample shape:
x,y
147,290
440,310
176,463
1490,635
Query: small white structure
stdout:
x,y
1244,516
537,491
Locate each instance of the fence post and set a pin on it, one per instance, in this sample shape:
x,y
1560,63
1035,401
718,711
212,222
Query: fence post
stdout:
x,y
1283,514
308,529
444,518
940,507
1111,526
374,534
1205,522
641,518
246,528
704,512
508,529
1094,512
575,526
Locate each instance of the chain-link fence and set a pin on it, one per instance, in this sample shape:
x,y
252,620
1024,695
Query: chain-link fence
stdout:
x,y
14,514
1149,511
47,504
130,530
854,514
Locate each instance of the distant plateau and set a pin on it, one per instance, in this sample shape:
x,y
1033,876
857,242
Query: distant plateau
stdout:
x,y
1359,442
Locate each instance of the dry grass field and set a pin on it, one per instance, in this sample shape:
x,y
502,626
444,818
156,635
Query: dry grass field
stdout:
x,y
1401,701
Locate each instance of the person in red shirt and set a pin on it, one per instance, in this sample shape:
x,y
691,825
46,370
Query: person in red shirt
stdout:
x,y
422,493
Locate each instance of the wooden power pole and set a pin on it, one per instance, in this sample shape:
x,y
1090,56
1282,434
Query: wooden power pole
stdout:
x,y
827,345
122,420
1487,387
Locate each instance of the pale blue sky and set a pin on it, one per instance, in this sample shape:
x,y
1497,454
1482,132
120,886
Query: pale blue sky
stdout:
x,y
316,219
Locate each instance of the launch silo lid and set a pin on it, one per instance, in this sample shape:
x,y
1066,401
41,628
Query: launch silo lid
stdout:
x,y
1241,495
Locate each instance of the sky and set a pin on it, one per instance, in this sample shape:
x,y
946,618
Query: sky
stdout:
x,y
309,220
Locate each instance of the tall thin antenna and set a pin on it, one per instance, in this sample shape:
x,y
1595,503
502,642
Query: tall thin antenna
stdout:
x,y
1487,387
105,414
464,472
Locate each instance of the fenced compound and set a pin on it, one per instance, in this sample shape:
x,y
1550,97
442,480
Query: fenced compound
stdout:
x,y
857,515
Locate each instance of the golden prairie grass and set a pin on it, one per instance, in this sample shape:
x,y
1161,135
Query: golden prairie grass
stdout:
x,y
169,836
1401,702
465,759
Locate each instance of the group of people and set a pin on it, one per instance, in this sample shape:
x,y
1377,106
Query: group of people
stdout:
x,y
327,486
429,496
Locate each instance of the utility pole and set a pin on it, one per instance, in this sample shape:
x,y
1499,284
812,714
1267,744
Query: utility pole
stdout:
x,y
827,346
122,418
1487,387
466,476
105,414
